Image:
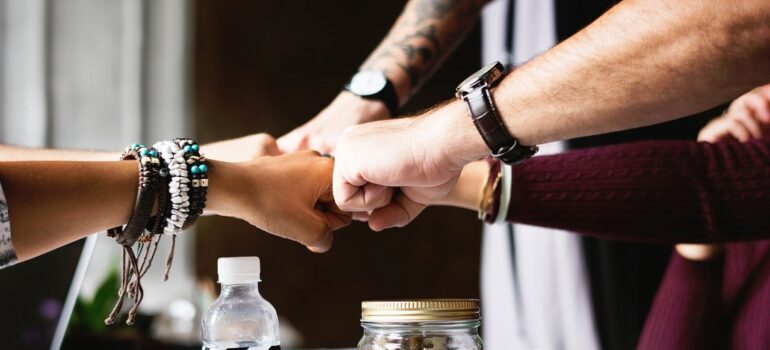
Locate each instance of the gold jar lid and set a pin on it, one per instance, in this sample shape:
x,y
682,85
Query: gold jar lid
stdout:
x,y
420,310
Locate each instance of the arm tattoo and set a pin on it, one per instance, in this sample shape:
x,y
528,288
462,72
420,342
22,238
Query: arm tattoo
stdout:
x,y
427,31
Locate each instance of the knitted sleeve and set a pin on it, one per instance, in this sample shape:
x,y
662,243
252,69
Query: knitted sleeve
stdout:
x,y
7,254
686,313
655,191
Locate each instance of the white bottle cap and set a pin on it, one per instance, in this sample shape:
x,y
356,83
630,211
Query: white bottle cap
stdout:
x,y
242,269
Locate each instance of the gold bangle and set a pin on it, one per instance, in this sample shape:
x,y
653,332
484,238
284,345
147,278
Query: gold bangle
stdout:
x,y
487,195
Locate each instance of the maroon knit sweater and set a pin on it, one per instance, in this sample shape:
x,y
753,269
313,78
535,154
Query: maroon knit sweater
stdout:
x,y
656,191
719,304
671,192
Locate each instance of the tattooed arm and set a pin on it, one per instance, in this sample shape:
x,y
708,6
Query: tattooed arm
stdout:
x,y
424,35
421,39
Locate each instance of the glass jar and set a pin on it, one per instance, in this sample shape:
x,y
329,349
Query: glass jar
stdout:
x,y
434,324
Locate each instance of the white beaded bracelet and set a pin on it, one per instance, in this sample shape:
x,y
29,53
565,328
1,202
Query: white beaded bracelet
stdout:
x,y
179,186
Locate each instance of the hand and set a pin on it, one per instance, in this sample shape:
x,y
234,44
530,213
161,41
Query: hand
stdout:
x,y
242,149
289,196
321,133
747,118
420,157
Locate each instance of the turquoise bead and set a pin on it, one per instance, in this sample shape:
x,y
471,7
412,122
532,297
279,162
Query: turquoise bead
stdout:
x,y
194,169
195,147
186,149
203,168
134,145
143,152
153,153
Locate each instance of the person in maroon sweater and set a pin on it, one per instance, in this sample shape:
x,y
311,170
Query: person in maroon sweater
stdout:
x,y
713,296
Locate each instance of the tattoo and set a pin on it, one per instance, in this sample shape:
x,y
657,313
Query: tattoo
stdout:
x,y
430,29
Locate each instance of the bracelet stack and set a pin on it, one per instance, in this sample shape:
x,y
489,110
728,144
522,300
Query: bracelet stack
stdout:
x,y
173,177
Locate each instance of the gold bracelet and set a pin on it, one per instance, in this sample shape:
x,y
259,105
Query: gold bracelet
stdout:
x,y
487,200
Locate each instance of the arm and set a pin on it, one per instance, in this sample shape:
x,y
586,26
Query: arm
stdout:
x,y
54,203
660,191
634,66
240,149
656,191
425,34
17,153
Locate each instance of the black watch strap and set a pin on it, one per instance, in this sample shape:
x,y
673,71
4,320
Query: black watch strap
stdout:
x,y
387,96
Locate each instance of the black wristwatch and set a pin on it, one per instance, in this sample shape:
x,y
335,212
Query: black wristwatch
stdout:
x,y
475,92
373,85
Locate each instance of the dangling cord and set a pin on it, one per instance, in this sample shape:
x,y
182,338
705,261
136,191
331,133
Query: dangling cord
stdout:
x,y
113,316
152,257
170,258
136,292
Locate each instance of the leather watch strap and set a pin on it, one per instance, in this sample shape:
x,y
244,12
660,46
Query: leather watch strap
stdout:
x,y
492,130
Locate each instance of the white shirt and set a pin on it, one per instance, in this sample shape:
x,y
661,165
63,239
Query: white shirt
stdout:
x,y
548,305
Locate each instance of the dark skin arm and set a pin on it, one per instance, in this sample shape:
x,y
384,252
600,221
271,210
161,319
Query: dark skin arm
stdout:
x,y
53,203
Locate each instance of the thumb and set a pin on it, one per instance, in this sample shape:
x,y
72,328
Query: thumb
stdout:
x,y
398,213
294,141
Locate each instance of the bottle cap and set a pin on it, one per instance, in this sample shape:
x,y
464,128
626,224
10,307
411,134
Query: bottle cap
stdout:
x,y
242,269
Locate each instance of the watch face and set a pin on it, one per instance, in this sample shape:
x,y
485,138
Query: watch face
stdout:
x,y
367,82
487,75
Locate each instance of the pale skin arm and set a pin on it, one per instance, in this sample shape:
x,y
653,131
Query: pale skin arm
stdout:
x,y
746,118
57,202
644,62
423,36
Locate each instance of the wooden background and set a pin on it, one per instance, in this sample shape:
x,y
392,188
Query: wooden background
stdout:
x,y
269,66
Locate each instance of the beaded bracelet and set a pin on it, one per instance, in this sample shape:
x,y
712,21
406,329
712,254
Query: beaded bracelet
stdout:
x,y
198,171
178,187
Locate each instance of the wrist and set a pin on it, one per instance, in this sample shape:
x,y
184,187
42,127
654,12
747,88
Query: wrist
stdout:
x,y
222,192
468,190
452,128
367,110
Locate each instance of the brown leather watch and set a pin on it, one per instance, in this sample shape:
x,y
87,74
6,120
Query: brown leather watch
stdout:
x,y
475,92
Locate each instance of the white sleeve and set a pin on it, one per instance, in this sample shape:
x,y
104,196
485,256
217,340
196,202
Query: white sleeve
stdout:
x,y
7,254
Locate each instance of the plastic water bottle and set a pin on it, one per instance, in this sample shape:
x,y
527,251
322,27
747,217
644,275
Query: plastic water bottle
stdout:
x,y
240,318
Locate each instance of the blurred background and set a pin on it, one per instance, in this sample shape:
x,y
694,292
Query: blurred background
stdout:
x,y
100,74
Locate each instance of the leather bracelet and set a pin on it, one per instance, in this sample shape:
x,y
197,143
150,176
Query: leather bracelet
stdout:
x,y
149,166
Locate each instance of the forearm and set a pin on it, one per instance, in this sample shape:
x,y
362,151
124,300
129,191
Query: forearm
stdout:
x,y
661,192
423,36
51,204
642,63
16,153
